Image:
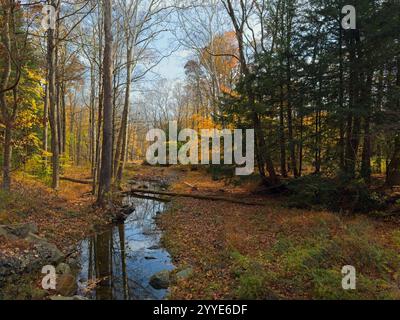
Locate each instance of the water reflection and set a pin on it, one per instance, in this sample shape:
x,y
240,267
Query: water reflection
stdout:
x,y
125,257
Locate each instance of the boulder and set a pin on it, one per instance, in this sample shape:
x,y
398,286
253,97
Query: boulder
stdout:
x,y
72,262
66,285
74,298
40,254
61,298
184,274
160,280
48,253
80,298
18,231
63,268
9,265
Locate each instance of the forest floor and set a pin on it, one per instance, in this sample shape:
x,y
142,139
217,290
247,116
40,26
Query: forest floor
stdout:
x,y
236,251
272,251
63,217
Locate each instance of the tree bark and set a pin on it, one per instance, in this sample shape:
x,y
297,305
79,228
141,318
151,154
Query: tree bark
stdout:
x,y
292,146
5,78
7,157
119,162
282,140
79,140
366,169
393,170
106,159
96,170
53,116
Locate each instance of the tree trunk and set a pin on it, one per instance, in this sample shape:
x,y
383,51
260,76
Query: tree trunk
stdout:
x,y
106,159
51,63
92,123
393,171
353,124
63,119
96,171
72,132
366,169
46,122
341,104
5,77
282,141
263,155
119,161
292,146
7,157
79,140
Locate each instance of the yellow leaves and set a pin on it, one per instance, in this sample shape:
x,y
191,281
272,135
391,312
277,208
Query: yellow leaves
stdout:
x,y
204,123
34,76
34,139
46,154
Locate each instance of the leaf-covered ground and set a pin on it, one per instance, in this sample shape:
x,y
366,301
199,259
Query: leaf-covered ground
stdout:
x,y
236,251
273,252
63,217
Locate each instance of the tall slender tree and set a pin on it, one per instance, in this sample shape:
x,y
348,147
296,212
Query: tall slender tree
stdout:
x,y
106,157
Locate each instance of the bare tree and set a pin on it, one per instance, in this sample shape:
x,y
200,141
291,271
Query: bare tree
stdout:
x,y
106,158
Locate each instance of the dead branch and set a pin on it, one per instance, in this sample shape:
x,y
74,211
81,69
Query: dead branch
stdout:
x,y
87,182
194,196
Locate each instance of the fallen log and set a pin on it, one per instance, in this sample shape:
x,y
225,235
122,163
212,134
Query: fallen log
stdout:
x,y
141,196
87,182
194,196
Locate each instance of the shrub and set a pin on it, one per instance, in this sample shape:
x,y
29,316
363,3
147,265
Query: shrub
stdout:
x,y
311,191
316,191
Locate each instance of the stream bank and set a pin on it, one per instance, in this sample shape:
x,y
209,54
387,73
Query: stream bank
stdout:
x,y
61,220
121,262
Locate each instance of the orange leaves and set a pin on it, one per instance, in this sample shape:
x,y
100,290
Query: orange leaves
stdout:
x,y
220,57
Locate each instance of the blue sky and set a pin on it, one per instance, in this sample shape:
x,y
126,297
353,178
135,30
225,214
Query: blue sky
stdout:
x,y
172,67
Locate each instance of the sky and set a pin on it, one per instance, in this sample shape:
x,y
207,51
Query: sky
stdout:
x,y
172,67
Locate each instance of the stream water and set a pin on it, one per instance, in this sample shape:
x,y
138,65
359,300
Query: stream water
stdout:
x,y
125,257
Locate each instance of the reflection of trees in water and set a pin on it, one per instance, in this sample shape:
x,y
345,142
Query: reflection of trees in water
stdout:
x,y
102,263
145,211
121,235
109,255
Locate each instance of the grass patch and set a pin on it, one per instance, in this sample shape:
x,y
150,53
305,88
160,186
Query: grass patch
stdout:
x,y
313,264
252,278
